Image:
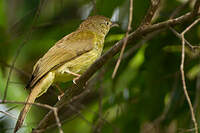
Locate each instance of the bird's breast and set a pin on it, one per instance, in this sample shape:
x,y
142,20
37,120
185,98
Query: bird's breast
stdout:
x,y
78,65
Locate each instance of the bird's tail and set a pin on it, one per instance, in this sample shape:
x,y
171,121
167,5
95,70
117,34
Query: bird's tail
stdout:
x,y
31,98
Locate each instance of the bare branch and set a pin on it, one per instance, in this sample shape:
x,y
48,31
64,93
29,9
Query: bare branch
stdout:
x,y
8,110
8,114
183,75
184,85
150,13
147,20
189,27
125,40
178,9
54,109
72,100
179,36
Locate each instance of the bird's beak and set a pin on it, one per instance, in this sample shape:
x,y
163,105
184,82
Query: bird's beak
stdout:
x,y
114,24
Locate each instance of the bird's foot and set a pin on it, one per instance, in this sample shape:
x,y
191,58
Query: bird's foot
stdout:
x,y
60,90
75,79
60,96
72,73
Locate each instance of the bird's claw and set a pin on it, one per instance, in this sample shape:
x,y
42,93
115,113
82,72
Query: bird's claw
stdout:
x,y
75,79
60,96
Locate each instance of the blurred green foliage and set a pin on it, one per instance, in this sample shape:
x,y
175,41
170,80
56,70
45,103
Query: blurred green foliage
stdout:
x,y
145,96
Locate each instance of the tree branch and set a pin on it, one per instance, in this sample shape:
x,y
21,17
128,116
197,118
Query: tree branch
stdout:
x,y
151,11
183,75
126,38
179,36
53,109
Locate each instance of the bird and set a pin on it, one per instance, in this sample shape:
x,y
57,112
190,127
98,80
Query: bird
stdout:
x,y
67,59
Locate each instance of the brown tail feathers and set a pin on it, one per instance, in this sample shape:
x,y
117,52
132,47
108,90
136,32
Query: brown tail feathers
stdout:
x,y
31,99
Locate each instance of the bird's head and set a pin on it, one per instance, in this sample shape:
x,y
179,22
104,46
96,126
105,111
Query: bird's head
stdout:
x,y
99,24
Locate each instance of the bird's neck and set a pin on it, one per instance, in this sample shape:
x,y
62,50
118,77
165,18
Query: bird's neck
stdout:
x,y
98,31
99,35
100,43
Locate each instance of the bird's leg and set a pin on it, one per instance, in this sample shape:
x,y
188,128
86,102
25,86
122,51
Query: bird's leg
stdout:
x,y
60,90
77,76
74,80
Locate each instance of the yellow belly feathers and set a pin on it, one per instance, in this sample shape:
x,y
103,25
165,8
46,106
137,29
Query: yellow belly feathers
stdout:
x,y
78,65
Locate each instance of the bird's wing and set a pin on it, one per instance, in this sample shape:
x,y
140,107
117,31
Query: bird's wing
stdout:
x,y
66,49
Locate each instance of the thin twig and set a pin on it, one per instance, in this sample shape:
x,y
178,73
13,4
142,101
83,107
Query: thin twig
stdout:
x,y
8,114
189,27
183,75
125,40
179,8
186,130
150,13
146,21
8,110
53,125
72,100
179,36
54,109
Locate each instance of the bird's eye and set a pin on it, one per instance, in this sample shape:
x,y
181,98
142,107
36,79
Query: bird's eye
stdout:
x,y
107,23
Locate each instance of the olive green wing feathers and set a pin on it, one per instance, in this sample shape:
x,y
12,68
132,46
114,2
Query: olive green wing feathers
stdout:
x,y
68,48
